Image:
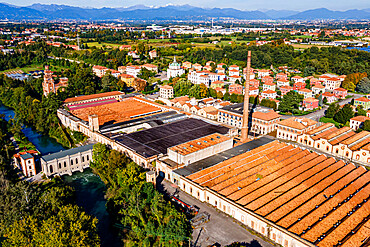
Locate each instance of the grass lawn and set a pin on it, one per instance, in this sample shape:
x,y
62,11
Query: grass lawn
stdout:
x,y
330,120
26,69
91,44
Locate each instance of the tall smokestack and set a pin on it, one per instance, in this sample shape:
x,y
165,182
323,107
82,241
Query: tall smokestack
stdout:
x,y
246,100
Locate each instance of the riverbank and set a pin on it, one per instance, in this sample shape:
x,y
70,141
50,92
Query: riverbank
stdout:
x,y
90,195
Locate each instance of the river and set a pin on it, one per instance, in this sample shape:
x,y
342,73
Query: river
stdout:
x,y
90,190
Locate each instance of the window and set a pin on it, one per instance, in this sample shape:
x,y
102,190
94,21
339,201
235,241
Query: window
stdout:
x,y
87,157
65,164
76,161
207,198
71,162
83,159
184,187
286,243
215,203
274,236
51,168
242,218
224,208
263,230
336,151
60,165
252,224
191,190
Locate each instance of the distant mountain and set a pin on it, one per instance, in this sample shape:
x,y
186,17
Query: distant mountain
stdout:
x,y
276,14
326,14
12,12
169,12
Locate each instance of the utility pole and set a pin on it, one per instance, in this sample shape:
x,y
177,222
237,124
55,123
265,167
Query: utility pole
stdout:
x,y
246,100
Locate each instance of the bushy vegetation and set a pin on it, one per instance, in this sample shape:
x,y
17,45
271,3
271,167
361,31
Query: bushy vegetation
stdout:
x,y
146,219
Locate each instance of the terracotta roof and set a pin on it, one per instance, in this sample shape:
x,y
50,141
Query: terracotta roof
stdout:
x,y
166,87
318,86
268,92
301,191
328,94
267,116
341,89
360,118
199,144
297,123
117,112
305,90
310,99
363,99
92,96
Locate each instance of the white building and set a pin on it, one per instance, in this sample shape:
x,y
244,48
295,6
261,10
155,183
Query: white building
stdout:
x,y
133,70
174,69
166,92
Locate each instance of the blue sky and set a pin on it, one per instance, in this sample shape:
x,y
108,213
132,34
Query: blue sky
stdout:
x,y
238,4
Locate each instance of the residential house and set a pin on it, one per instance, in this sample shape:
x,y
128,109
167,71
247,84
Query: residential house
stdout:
x,y
285,89
363,101
99,71
153,54
298,85
268,94
127,79
307,93
332,83
297,78
330,97
310,103
234,78
254,91
133,70
122,69
209,112
282,82
166,92
234,72
281,76
216,84
357,122
235,88
26,162
269,86
150,67
318,89
221,66
187,65
254,83
340,93
133,54
266,79
262,73
197,67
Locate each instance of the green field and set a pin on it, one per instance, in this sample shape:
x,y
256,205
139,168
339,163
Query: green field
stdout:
x,y
26,69
107,45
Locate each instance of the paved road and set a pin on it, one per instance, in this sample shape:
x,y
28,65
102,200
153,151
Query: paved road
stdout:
x,y
221,228
320,113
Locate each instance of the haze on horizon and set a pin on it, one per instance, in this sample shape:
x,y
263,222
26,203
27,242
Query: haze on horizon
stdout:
x,y
237,4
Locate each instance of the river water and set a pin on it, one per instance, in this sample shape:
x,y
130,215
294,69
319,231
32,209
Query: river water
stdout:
x,y
90,190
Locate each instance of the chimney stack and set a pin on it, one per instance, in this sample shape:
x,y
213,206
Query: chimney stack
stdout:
x,y
246,101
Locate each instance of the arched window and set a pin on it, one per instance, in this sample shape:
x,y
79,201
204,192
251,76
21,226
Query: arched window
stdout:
x,y
83,159
51,168
357,157
60,165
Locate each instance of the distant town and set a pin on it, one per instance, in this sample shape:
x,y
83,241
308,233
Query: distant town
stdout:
x,y
201,134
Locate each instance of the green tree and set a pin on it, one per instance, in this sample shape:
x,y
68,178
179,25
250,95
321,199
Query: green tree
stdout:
x,y
182,87
344,114
367,125
290,101
364,85
332,110
360,111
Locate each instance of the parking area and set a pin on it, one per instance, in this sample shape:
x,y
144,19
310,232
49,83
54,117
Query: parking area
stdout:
x,y
221,229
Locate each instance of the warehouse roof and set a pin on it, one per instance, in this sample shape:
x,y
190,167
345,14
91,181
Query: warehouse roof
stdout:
x,y
320,199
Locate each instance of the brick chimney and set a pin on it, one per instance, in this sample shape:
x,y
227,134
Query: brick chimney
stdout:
x,y
246,101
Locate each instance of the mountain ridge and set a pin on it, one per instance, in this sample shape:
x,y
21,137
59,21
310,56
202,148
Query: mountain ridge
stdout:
x,y
170,12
